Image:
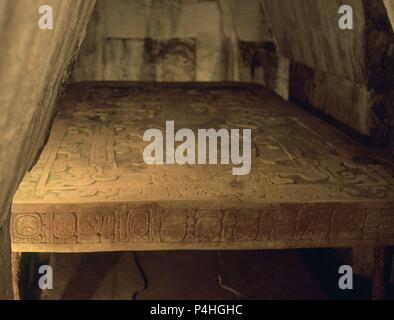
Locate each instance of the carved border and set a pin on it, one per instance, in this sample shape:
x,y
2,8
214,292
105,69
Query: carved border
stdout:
x,y
122,225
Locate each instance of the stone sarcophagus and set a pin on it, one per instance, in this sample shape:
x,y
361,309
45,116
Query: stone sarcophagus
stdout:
x,y
309,185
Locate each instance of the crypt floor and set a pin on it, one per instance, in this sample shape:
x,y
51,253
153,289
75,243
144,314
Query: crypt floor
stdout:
x,y
261,275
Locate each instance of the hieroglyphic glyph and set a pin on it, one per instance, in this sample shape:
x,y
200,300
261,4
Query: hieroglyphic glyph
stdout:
x,y
91,189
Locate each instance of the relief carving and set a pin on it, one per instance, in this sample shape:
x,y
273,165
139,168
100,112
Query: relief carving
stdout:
x,y
92,187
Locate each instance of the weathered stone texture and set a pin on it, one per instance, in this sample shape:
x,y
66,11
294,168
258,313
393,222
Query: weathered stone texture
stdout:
x,y
349,73
206,40
33,66
380,68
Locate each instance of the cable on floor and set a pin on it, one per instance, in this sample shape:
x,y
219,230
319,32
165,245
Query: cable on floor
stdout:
x,y
220,279
143,276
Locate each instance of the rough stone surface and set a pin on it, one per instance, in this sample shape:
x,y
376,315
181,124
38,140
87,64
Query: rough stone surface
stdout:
x,y
33,66
380,68
183,40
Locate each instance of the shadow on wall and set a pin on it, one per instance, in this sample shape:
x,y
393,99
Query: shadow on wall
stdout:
x,y
182,41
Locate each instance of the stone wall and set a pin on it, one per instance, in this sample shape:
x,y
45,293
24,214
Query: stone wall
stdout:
x,y
184,40
344,74
33,66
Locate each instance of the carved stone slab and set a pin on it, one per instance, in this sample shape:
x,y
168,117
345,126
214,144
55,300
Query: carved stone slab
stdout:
x,y
310,186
